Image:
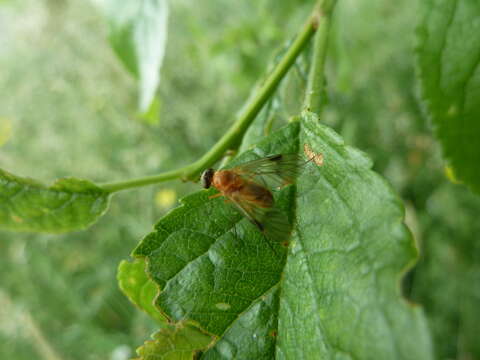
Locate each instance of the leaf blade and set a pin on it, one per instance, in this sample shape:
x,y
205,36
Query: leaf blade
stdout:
x,y
141,290
69,204
341,280
174,343
216,269
138,35
448,63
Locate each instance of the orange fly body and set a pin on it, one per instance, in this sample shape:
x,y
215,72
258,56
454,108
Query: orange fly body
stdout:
x,y
247,187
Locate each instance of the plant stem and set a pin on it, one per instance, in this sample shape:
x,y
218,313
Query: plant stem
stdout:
x,y
315,98
237,130
144,181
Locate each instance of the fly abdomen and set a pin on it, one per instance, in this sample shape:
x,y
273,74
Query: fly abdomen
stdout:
x,y
266,199
257,194
258,224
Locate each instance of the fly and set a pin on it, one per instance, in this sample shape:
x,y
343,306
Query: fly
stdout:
x,y
248,186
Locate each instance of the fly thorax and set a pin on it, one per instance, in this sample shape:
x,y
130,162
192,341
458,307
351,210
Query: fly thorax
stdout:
x,y
224,179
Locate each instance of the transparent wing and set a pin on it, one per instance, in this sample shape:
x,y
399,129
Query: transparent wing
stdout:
x,y
274,170
270,221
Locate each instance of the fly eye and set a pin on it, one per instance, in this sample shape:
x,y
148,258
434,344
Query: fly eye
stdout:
x,y
206,178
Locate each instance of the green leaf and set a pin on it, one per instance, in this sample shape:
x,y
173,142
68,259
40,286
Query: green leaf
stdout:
x,y
138,35
448,56
141,291
174,343
340,292
152,115
336,295
216,269
69,204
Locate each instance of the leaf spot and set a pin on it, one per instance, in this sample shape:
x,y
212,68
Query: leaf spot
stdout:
x,y
223,306
317,158
17,219
452,110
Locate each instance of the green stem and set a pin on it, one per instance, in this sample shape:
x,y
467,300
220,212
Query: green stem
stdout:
x,y
237,130
315,98
144,181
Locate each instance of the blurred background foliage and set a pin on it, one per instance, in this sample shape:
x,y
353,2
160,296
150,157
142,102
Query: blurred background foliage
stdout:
x,y
68,107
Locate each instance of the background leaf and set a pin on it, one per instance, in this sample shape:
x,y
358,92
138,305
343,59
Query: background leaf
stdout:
x,y
69,204
448,60
138,34
452,261
339,292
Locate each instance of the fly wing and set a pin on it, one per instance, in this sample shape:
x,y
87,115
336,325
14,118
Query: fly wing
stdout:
x,y
270,221
274,170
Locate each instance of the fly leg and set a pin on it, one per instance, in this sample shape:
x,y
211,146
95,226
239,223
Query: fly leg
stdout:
x,y
269,243
262,230
215,196
218,195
